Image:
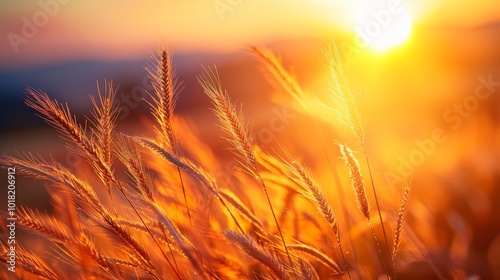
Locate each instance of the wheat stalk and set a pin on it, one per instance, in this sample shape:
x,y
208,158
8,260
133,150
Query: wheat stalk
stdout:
x,y
359,191
86,198
233,123
310,189
60,117
278,75
348,114
165,94
302,176
149,215
402,214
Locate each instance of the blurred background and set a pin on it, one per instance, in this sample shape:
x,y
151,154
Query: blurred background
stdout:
x,y
427,73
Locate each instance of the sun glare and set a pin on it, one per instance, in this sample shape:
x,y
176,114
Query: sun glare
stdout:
x,y
382,24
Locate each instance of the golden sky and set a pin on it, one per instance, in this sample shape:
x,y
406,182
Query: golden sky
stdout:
x,y
130,29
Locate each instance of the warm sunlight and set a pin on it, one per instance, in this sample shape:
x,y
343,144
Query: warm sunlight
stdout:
x,y
382,24
251,140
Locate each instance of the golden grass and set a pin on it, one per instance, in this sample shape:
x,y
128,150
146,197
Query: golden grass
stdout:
x,y
145,229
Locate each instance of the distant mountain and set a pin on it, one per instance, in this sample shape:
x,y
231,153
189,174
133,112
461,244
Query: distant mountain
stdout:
x,y
73,82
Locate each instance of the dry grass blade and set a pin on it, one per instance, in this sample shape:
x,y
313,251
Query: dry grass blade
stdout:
x,y
186,246
166,239
54,230
321,257
39,168
258,253
137,250
59,117
85,245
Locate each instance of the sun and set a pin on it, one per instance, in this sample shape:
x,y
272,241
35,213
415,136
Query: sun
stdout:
x,y
382,24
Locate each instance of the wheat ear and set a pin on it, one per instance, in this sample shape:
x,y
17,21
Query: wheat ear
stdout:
x,y
129,155
283,79
86,198
344,100
231,121
233,124
359,191
165,94
278,75
349,116
52,229
356,180
105,114
60,117
311,190
401,215
307,272
259,253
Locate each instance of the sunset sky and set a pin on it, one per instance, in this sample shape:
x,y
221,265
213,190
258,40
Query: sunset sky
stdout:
x,y
126,29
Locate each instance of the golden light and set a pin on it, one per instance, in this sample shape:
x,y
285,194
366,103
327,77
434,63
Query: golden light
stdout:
x,y
382,24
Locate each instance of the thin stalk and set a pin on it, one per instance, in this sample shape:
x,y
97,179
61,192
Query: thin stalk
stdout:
x,y
184,194
380,217
343,257
379,249
277,225
169,247
337,181
231,213
344,211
